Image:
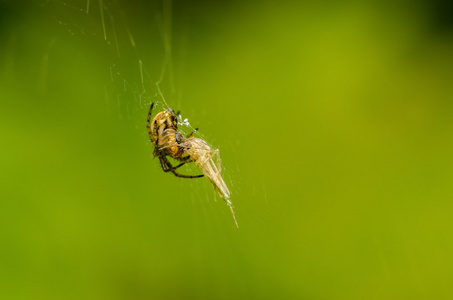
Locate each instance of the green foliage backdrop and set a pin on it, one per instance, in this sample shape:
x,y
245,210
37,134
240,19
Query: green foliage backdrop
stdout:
x,y
334,124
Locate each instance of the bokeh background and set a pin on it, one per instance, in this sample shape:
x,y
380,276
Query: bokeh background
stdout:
x,y
334,124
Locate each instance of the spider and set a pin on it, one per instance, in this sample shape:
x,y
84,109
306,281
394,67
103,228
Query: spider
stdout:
x,y
168,141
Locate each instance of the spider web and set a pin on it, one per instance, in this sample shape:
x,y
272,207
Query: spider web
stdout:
x,y
104,26
139,64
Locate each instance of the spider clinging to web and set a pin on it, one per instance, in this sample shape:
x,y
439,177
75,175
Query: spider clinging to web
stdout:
x,y
169,141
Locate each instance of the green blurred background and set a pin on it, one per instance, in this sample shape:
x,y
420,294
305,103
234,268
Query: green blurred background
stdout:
x,y
334,124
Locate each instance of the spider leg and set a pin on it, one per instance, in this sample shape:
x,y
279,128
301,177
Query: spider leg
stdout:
x,y
148,122
167,167
193,131
162,164
171,168
186,159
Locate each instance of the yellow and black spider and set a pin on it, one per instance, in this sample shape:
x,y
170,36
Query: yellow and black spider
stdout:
x,y
169,141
